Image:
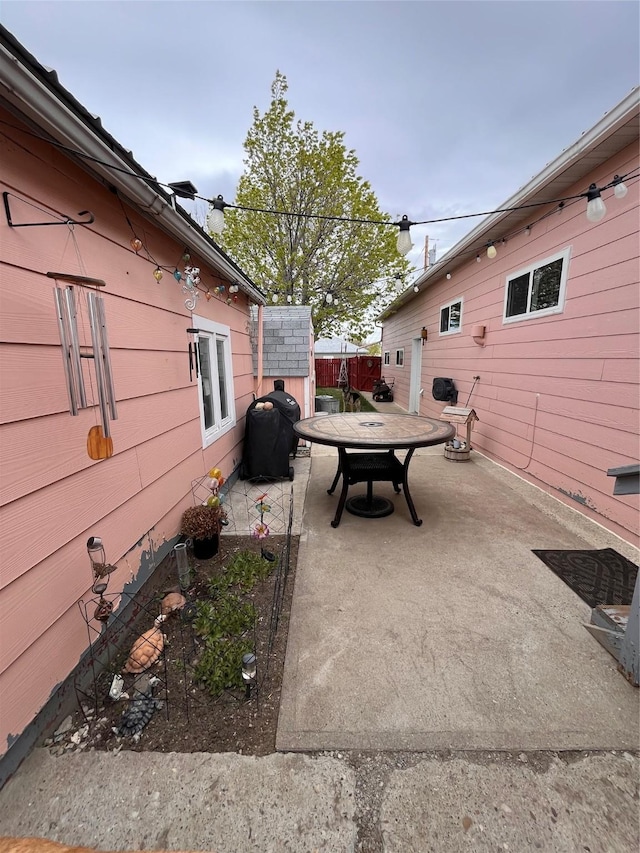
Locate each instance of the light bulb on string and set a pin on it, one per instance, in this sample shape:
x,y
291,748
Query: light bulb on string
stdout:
x,y
491,251
596,209
177,274
274,297
328,298
478,259
289,298
448,276
215,219
207,295
416,289
403,242
186,257
157,274
136,244
619,188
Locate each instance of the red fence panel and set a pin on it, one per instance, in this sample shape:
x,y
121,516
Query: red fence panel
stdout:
x,y
362,370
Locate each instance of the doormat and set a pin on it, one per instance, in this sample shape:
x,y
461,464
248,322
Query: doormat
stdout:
x,y
598,577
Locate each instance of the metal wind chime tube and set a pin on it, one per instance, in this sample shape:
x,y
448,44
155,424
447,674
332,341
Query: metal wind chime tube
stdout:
x,y
101,360
98,363
68,329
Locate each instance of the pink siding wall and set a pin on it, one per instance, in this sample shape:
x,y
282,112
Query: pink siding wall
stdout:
x,y
580,367
52,495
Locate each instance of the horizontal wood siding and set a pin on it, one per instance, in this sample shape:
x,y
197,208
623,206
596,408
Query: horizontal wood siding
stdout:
x,y
558,396
52,495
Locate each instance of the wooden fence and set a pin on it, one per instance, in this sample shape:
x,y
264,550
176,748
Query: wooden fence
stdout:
x,y
362,371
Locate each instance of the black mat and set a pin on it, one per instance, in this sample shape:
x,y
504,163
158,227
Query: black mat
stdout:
x,y
598,577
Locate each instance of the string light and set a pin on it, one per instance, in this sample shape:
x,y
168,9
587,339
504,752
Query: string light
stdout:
x,y
403,241
478,259
215,219
448,276
491,251
219,204
596,208
619,188
136,244
157,274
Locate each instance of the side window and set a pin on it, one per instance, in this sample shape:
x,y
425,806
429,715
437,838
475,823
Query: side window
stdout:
x,y
399,357
538,289
215,379
451,317
387,357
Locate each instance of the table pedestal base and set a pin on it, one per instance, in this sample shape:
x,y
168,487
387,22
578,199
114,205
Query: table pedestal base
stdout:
x,y
369,507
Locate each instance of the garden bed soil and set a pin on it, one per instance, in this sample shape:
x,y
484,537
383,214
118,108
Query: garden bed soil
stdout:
x,y
191,720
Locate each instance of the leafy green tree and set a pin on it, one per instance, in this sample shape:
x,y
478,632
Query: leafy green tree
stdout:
x,y
344,270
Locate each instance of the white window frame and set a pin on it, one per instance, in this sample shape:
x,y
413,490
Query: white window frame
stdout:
x,y
448,305
400,357
565,256
216,332
387,357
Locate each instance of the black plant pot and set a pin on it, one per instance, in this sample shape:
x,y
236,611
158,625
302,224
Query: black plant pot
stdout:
x,y
204,549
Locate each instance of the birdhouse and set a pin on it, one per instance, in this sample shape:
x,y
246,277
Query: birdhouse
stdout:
x,y
457,450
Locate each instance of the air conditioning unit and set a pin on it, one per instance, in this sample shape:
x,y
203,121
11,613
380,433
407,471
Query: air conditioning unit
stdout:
x,y
444,390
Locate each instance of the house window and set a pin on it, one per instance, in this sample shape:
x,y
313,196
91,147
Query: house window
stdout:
x,y
399,357
451,317
538,289
387,357
215,380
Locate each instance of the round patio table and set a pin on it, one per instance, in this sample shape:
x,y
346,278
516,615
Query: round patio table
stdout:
x,y
380,435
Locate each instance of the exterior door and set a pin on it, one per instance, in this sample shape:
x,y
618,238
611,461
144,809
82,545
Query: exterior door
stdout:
x,y
416,376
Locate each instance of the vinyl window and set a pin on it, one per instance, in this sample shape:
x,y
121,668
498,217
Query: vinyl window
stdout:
x,y
399,357
387,357
215,380
451,317
537,290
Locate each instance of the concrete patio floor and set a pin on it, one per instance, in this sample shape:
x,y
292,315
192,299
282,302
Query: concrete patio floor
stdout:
x,y
452,635
439,677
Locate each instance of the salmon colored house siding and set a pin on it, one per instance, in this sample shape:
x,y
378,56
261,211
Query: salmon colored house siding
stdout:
x,y
52,495
580,366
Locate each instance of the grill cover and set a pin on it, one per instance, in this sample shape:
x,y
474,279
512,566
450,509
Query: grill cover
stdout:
x,y
269,438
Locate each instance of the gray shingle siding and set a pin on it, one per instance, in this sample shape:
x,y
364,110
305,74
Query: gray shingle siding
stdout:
x,y
287,340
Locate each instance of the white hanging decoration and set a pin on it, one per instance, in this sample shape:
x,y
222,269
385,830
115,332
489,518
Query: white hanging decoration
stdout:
x,y
190,286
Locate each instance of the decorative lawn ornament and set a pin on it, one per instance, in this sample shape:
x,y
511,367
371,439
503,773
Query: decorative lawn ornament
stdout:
x,y
171,603
140,710
147,648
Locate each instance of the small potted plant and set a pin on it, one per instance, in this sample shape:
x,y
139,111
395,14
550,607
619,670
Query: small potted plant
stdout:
x,y
202,523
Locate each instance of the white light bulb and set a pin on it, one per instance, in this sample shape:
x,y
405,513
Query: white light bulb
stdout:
x,y
329,298
620,190
289,298
448,276
596,209
403,243
416,289
274,297
478,259
491,251
215,221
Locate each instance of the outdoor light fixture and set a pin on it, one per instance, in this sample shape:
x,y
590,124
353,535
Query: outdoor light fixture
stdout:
x,y
329,298
215,220
423,334
403,243
491,251
416,289
274,297
595,206
184,189
619,188
527,231
478,259
249,673
448,276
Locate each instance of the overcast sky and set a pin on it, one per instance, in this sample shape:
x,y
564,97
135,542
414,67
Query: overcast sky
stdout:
x,y
450,106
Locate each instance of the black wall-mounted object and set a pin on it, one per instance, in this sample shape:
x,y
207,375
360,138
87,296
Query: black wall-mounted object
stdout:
x,y
444,390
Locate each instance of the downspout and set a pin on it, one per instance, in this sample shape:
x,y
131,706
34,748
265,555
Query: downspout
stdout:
x,y
259,377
